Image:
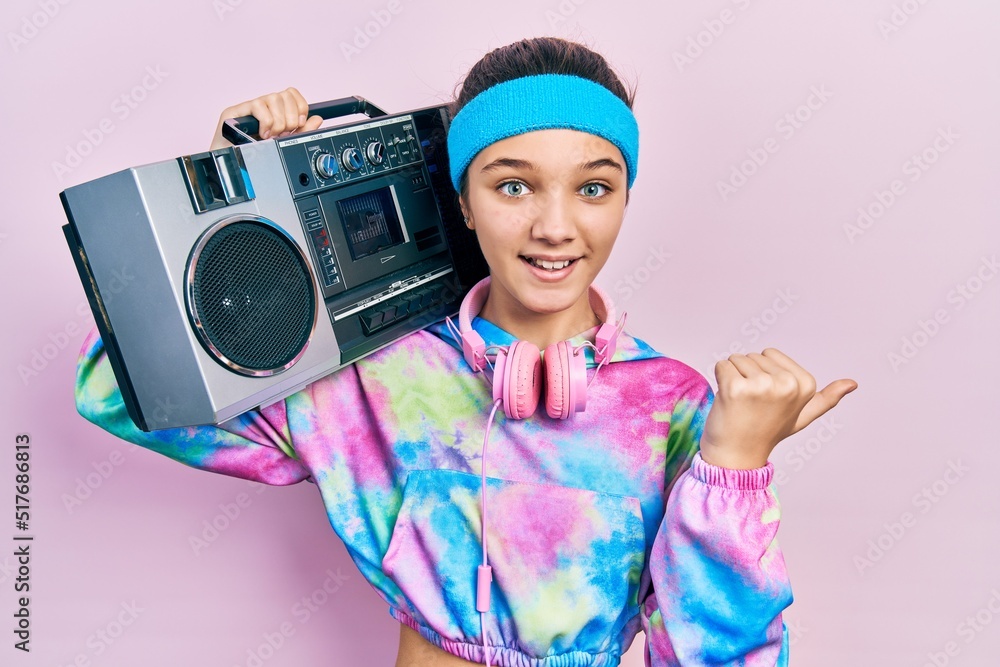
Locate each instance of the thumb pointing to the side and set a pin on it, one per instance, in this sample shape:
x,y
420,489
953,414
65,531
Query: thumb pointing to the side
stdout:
x,y
823,400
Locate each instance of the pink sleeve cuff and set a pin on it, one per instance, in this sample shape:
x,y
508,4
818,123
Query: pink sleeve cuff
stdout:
x,y
731,478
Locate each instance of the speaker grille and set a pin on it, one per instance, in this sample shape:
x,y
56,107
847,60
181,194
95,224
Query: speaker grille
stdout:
x,y
251,296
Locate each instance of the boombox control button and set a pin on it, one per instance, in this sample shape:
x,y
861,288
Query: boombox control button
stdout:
x,y
426,296
402,307
376,152
372,321
422,296
326,165
414,298
353,159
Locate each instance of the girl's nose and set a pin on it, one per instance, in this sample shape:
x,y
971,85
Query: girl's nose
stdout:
x,y
552,220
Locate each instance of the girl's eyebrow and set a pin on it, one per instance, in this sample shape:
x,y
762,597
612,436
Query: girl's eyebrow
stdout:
x,y
513,163
603,162
517,163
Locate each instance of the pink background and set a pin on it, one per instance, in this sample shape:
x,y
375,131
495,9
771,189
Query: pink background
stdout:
x,y
768,265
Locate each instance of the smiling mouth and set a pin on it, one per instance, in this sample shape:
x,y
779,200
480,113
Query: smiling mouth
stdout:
x,y
549,266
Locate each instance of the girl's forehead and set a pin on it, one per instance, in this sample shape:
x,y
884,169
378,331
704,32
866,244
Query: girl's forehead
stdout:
x,y
549,149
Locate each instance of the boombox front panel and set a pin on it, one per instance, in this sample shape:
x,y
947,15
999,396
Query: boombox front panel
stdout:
x,y
138,300
377,246
379,232
179,229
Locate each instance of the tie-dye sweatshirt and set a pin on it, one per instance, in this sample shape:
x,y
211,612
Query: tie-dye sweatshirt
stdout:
x,y
597,526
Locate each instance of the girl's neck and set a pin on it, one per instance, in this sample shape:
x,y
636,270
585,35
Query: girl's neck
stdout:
x,y
542,329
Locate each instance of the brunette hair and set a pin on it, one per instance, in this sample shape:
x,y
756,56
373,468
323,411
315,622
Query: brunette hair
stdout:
x,y
537,55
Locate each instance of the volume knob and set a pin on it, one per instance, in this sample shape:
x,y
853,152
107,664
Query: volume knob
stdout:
x,y
353,159
376,152
326,165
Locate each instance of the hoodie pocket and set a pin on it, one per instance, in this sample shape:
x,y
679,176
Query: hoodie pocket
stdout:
x,y
566,561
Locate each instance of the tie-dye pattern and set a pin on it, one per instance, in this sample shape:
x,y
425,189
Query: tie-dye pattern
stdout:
x,y
584,550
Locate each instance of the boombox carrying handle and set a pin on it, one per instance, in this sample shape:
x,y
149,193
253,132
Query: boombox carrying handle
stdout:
x,y
244,130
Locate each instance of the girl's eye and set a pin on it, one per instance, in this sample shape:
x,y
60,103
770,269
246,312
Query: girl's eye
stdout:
x,y
512,188
594,190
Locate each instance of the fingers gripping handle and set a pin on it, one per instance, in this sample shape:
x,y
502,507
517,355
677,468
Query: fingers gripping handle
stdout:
x,y
243,130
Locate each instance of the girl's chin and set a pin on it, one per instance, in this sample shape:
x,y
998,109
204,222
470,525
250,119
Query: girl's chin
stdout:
x,y
546,299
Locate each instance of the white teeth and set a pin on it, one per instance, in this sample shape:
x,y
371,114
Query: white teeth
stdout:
x,y
551,266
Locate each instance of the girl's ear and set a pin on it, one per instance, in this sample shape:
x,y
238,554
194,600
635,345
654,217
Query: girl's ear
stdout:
x,y
465,212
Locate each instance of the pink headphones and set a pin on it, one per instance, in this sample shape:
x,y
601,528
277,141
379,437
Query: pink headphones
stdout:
x,y
517,380
517,383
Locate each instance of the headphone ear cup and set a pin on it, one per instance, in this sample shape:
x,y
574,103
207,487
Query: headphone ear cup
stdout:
x,y
566,380
556,387
521,380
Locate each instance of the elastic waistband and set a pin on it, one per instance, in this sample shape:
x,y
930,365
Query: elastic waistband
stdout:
x,y
502,656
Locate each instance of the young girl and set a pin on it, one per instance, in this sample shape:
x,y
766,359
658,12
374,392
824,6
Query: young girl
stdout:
x,y
634,500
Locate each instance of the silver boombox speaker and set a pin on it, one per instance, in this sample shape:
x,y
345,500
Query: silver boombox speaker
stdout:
x,y
230,279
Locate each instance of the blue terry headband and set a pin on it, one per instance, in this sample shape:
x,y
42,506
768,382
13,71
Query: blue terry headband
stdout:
x,y
540,102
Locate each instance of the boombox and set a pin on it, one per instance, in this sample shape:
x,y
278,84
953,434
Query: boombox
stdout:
x,y
227,280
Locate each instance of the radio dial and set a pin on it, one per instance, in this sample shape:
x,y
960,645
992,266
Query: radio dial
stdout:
x,y
353,159
326,165
376,152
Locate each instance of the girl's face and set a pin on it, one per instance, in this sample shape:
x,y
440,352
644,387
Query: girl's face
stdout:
x,y
548,195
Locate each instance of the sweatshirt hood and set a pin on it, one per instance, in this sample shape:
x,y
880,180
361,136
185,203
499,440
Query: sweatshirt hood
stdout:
x,y
629,348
